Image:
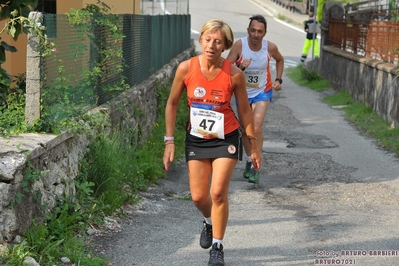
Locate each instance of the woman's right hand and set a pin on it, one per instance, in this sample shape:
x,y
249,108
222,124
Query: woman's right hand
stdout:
x,y
168,154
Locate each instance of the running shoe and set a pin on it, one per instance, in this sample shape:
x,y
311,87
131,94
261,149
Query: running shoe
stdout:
x,y
206,236
253,176
216,255
247,169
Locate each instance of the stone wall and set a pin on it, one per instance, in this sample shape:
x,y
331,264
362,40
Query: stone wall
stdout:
x,y
368,81
47,164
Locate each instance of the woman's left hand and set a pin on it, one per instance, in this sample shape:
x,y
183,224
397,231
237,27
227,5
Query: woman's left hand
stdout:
x,y
256,159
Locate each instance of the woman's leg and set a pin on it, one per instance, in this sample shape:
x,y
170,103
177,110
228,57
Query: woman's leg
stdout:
x,y
222,169
199,174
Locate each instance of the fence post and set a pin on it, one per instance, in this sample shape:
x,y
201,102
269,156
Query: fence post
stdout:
x,y
331,10
33,73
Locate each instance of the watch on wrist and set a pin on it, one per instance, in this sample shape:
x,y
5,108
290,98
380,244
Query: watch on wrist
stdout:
x,y
165,138
279,80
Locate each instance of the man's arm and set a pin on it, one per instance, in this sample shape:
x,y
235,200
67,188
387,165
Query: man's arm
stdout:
x,y
276,55
235,55
235,52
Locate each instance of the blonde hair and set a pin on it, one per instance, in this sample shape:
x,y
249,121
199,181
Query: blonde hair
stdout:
x,y
215,25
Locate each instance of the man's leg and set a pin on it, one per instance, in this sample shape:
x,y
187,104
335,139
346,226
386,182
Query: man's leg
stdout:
x,y
248,161
316,48
305,49
259,111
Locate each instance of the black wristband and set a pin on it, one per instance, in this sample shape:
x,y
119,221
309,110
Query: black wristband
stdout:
x,y
279,80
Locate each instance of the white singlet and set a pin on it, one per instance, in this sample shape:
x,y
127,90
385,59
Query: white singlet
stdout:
x,y
257,74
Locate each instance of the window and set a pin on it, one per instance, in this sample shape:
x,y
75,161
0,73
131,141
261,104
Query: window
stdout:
x,y
47,6
49,10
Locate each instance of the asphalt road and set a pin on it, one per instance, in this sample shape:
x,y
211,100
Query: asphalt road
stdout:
x,y
326,192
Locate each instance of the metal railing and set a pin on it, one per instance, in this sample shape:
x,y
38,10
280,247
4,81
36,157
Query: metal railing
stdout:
x,y
164,7
362,5
348,35
372,38
383,41
378,6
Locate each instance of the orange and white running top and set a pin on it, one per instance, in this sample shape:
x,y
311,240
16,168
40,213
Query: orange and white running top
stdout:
x,y
211,115
257,74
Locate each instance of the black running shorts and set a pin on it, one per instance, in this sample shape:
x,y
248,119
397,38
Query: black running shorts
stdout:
x,y
229,147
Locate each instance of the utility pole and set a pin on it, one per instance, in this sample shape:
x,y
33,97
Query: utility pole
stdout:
x,y
314,26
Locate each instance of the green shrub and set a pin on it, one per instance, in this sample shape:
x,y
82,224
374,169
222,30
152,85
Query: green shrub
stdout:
x,y
306,77
113,171
310,75
12,107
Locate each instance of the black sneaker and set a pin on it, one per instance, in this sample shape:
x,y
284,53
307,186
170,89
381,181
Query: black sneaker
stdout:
x,y
206,236
216,255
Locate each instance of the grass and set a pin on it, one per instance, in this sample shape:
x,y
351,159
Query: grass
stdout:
x,y
341,98
284,18
366,121
307,78
113,172
362,117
